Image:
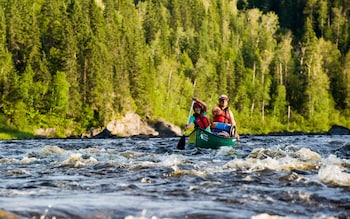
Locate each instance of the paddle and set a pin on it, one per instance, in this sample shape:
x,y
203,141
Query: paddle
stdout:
x,y
182,141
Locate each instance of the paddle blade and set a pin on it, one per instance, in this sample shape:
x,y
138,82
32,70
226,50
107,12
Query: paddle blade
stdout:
x,y
181,143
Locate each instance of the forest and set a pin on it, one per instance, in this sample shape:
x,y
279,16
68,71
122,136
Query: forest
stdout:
x,y
74,65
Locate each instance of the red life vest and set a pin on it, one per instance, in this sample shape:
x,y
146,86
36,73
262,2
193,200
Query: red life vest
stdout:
x,y
201,121
223,116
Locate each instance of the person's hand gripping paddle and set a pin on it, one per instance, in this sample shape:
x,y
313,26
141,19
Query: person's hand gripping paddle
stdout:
x,y
182,142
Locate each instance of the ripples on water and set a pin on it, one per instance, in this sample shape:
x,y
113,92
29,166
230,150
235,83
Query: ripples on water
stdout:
x,y
263,177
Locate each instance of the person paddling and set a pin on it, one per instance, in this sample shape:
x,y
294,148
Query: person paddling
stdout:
x,y
223,119
199,118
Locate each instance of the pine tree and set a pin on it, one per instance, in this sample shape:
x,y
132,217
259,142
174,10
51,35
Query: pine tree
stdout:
x,y
345,86
115,41
317,103
5,61
60,94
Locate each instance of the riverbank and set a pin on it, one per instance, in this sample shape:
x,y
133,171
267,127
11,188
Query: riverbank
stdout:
x,y
8,133
132,125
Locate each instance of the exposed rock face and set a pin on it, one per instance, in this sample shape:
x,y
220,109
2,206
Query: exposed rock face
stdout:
x,y
130,125
48,132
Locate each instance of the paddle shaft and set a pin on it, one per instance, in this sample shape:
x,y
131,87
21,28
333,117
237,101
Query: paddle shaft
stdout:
x,y
189,114
182,141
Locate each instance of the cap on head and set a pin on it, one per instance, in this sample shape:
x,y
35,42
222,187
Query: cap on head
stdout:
x,y
197,104
223,97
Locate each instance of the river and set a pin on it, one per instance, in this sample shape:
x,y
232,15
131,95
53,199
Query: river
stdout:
x,y
306,176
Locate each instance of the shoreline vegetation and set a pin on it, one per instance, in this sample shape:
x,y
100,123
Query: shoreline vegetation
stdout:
x,y
70,68
13,134
161,129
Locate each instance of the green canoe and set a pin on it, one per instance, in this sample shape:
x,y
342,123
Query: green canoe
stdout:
x,y
203,139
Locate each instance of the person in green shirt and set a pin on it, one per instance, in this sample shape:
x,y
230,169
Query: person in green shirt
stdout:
x,y
199,118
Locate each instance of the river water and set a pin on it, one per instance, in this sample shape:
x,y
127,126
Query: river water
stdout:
x,y
130,178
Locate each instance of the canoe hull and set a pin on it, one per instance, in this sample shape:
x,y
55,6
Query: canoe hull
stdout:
x,y
203,139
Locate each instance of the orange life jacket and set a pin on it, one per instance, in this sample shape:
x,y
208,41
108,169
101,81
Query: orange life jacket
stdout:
x,y
223,116
201,121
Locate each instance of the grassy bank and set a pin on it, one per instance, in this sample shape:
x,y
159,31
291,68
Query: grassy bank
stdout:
x,y
8,133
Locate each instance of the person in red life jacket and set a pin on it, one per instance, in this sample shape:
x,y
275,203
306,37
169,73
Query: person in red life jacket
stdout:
x,y
199,118
223,119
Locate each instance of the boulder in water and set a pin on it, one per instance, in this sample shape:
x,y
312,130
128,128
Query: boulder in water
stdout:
x,y
339,130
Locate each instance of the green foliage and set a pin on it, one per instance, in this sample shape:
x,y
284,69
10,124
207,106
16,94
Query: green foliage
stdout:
x,y
73,65
8,132
60,93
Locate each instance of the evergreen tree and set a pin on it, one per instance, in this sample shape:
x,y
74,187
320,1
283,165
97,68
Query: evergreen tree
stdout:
x,y
345,86
60,94
122,100
26,88
98,67
135,57
317,103
24,43
339,28
151,24
5,62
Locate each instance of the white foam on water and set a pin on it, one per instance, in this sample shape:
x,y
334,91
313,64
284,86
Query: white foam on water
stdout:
x,y
224,151
307,154
334,160
334,175
262,159
143,216
8,160
132,154
52,150
16,172
28,159
76,160
278,164
171,160
333,171
94,150
268,216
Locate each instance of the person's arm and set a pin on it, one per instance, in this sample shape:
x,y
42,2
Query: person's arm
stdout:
x,y
232,118
236,133
215,111
233,123
190,122
188,125
205,106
